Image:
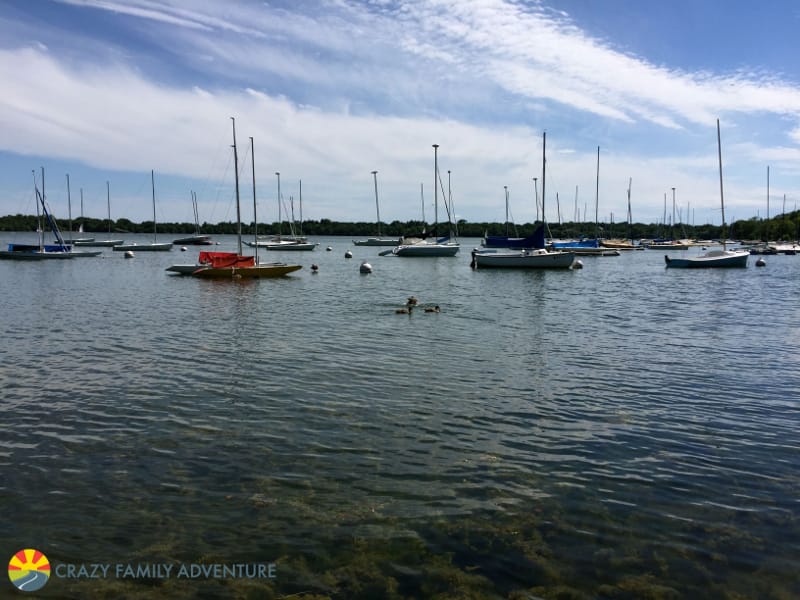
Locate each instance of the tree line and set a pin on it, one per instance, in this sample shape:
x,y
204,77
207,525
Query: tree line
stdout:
x,y
784,227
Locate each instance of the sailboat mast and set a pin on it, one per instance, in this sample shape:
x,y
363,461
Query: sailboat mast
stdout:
x,y
377,206
279,203
301,208
767,229
630,225
597,197
255,214
544,149
505,187
69,209
108,205
236,177
422,199
153,186
39,228
672,223
721,194
435,189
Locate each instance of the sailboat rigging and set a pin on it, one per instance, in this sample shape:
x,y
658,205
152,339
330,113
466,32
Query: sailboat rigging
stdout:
x,y
713,258
155,245
377,240
444,246
537,257
234,265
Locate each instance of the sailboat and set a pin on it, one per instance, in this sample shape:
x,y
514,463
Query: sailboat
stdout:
x,y
102,243
588,246
621,244
378,240
292,241
714,258
230,265
155,245
72,240
198,239
59,250
504,241
443,246
537,257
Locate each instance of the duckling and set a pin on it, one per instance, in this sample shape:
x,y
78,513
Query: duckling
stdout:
x,y
412,301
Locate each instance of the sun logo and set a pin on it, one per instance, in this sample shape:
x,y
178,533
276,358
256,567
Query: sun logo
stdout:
x,y
29,570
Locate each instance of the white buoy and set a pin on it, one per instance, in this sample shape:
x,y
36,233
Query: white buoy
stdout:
x,y
577,264
348,254
761,262
328,249
365,267
128,254
183,248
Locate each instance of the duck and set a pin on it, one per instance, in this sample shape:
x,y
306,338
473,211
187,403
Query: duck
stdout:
x,y
433,309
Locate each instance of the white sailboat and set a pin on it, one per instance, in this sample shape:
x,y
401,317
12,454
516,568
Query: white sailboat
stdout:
x,y
292,242
197,239
714,258
377,240
107,242
443,246
535,258
73,240
155,245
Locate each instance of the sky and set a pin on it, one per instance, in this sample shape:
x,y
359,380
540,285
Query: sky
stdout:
x,y
108,91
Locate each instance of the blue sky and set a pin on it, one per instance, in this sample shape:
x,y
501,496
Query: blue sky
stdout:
x,y
106,90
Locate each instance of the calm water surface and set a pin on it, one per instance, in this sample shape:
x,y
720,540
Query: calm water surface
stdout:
x,y
620,431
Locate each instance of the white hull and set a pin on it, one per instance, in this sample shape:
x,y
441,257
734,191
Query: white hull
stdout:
x,y
523,259
712,259
377,242
154,247
426,249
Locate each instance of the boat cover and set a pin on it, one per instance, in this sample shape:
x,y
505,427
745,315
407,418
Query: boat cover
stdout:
x,y
226,259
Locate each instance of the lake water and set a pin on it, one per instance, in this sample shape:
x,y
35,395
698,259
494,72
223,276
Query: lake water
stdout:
x,y
620,431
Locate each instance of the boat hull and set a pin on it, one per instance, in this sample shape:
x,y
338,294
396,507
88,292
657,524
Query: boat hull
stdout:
x,y
424,249
257,272
523,259
17,255
294,247
194,240
377,242
721,259
98,243
155,247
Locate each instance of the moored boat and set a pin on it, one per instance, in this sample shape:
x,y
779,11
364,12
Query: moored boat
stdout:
x,y
234,265
714,258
